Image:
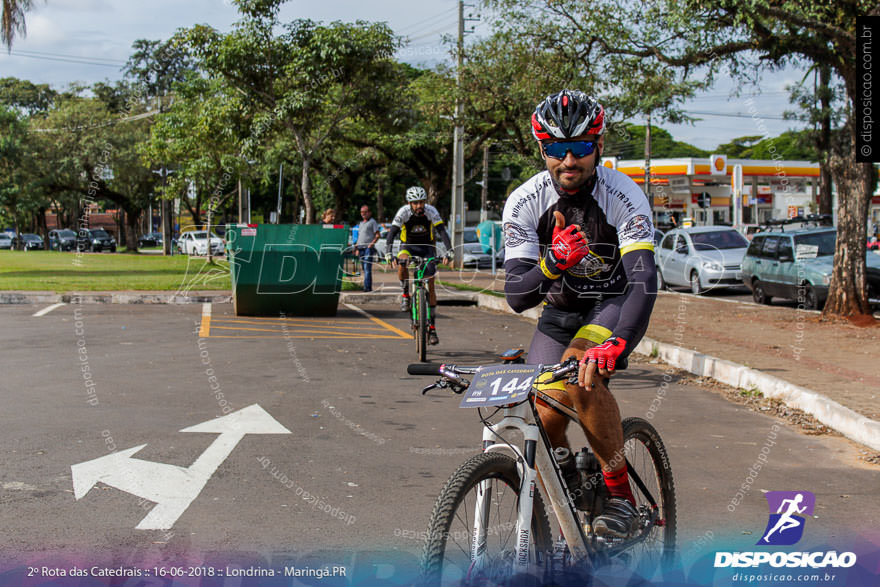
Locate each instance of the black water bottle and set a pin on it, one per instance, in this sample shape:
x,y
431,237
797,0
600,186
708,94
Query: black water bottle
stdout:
x,y
567,465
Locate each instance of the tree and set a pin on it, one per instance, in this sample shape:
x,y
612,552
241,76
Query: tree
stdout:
x,y
746,38
85,149
25,96
308,81
13,151
12,20
199,135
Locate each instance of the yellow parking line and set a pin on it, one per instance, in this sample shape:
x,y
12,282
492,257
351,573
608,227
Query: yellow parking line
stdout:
x,y
382,323
297,331
309,336
295,325
205,327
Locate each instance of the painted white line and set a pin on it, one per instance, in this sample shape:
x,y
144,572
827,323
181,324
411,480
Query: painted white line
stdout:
x,y
47,309
171,487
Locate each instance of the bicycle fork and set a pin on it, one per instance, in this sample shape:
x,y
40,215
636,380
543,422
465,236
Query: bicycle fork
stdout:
x,y
535,458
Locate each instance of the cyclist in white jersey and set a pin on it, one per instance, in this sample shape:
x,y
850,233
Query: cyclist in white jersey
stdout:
x,y
579,240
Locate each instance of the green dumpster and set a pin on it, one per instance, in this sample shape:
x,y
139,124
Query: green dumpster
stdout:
x,y
295,269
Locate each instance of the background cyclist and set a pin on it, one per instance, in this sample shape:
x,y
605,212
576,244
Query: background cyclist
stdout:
x,y
578,237
418,224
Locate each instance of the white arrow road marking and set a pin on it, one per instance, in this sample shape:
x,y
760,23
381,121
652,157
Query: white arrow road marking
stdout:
x,y
173,488
47,309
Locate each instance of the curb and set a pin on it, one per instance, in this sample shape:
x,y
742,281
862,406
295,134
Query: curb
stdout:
x,y
834,415
112,298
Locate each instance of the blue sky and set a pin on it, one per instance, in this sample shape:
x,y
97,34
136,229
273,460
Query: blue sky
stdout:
x,y
88,40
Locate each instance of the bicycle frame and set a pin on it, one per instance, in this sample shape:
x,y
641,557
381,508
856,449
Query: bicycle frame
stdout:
x,y
535,459
419,281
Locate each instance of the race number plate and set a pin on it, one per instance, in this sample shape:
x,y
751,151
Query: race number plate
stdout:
x,y
501,384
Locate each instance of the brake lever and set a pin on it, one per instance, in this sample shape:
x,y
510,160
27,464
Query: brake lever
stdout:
x,y
430,387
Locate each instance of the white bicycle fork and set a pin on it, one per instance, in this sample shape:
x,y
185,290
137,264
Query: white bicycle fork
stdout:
x,y
532,459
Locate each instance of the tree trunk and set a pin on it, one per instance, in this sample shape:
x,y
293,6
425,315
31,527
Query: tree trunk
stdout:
x,y
380,204
848,293
824,142
306,187
132,219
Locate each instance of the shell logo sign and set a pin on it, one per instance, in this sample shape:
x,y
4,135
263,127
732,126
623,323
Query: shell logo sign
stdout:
x,y
718,165
610,162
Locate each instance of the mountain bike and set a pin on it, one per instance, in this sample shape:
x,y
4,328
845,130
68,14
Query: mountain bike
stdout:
x,y
420,317
490,524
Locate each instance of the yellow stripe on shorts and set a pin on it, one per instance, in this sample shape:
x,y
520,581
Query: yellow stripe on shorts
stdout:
x,y
560,385
594,333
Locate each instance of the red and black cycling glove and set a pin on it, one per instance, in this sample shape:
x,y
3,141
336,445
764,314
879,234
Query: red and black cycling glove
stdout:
x,y
566,250
606,354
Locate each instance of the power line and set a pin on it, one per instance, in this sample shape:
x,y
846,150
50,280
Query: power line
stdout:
x,y
413,27
71,59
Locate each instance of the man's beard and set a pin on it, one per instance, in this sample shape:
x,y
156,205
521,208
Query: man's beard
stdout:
x,y
571,183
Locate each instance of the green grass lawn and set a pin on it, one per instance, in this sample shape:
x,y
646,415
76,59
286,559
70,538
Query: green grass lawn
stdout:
x,y
64,272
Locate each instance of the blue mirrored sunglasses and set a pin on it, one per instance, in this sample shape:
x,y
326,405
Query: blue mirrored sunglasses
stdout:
x,y
579,149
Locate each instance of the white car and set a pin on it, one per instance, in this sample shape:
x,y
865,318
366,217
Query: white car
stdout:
x,y
196,243
701,257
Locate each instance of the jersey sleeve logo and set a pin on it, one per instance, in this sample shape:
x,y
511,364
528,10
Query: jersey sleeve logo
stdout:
x,y
589,266
639,228
516,235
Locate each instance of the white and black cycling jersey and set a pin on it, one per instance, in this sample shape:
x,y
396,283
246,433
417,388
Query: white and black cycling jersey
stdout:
x,y
417,229
612,211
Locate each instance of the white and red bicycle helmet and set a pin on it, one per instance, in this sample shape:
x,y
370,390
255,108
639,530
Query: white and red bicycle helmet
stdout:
x,y
568,114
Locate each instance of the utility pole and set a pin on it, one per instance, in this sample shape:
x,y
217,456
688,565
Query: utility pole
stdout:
x,y
648,165
484,193
165,211
458,212
240,207
280,182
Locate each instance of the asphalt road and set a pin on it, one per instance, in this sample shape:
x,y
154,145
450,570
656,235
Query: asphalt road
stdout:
x,y
361,439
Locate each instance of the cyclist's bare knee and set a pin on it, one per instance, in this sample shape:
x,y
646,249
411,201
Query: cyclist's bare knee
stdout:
x,y
555,424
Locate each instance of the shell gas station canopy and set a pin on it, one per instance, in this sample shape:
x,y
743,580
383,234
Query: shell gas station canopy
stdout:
x,y
769,188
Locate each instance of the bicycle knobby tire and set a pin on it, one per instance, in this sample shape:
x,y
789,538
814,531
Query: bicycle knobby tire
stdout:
x,y
640,430
481,467
422,316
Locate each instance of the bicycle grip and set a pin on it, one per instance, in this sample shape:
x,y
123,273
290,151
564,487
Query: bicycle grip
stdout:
x,y
424,369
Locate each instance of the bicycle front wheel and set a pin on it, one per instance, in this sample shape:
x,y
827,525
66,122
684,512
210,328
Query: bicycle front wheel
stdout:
x,y
422,303
647,456
484,490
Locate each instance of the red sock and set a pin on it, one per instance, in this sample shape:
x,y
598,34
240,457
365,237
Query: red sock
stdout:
x,y
618,484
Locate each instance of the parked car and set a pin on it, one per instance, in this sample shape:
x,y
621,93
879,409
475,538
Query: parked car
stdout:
x,y
29,242
5,241
196,243
796,265
62,239
150,239
748,230
658,236
95,240
701,257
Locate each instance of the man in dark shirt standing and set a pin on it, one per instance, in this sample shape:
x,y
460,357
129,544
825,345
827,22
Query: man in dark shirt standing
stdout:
x,y
368,235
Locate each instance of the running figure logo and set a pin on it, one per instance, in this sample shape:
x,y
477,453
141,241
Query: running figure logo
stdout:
x,y
786,526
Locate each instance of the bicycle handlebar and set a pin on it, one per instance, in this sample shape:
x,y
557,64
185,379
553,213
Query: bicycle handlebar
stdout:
x,y
453,372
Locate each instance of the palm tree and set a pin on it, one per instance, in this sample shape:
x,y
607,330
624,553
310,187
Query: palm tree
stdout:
x,y
12,20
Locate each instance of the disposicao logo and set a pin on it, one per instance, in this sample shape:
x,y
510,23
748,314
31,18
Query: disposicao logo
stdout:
x,y
785,526
787,516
